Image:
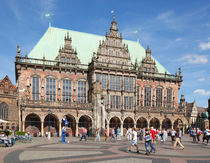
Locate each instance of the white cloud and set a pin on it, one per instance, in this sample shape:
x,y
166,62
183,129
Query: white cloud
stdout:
x,y
178,39
205,45
201,79
202,92
208,38
194,59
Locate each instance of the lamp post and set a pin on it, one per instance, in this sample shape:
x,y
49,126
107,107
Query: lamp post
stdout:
x,y
49,133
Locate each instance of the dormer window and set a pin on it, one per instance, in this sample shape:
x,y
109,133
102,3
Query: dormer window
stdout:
x,y
73,60
117,53
62,59
67,60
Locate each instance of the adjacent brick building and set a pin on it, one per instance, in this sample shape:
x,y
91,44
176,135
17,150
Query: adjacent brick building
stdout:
x,y
8,104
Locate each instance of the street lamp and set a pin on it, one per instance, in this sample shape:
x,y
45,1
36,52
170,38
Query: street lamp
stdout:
x,y
49,133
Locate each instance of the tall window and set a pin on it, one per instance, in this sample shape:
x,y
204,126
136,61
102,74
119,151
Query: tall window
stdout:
x,y
115,102
103,81
128,102
112,82
138,95
130,106
159,97
50,89
66,91
147,96
4,111
169,97
82,91
118,78
35,88
131,80
98,77
126,83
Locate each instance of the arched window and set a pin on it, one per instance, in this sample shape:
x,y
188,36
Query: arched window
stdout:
x,y
4,111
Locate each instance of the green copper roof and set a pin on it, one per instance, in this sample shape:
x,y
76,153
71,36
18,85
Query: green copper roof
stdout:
x,y
85,44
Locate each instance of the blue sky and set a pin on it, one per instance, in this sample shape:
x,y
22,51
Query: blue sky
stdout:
x,y
178,32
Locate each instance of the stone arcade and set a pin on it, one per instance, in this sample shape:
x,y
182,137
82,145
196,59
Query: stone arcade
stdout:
x,y
96,82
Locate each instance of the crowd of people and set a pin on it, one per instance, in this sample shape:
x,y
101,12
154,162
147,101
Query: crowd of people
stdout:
x,y
149,137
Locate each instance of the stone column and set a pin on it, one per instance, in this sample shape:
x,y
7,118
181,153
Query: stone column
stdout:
x,y
134,125
77,129
161,125
148,124
60,122
121,128
42,128
107,127
102,119
23,124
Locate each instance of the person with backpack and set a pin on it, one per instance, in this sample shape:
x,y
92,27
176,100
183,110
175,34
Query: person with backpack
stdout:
x,y
148,142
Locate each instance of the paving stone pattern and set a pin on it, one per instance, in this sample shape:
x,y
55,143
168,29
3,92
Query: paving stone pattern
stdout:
x,y
44,151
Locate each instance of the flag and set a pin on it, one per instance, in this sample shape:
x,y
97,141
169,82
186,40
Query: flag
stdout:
x,y
48,15
136,32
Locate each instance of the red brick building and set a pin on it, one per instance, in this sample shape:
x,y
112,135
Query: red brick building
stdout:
x,y
68,72
8,104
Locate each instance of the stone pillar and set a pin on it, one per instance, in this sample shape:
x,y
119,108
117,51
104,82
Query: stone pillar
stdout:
x,y
23,124
161,125
60,128
121,128
107,127
102,119
148,124
42,128
77,129
134,125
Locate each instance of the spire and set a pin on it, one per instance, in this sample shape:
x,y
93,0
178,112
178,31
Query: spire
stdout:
x,y
182,99
18,51
114,27
148,52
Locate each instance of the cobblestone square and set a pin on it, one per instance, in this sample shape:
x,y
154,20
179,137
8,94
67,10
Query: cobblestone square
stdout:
x,y
44,151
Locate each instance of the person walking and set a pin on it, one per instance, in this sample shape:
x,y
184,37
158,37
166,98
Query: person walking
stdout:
x,y
97,138
129,134
207,136
84,132
134,140
106,134
164,136
118,133
180,135
177,140
198,135
148,142
153,134
113,135
194,135
173,132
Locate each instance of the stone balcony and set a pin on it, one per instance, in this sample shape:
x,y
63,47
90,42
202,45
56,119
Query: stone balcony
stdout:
x,y
57,105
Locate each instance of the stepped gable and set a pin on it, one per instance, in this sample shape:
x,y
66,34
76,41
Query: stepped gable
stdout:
x,y
112,51
67,54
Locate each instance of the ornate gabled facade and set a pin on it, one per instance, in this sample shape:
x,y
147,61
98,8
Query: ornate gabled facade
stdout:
x,y
8,104
67,55
107,90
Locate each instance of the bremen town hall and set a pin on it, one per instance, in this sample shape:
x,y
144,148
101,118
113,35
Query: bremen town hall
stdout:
x,y
95,82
